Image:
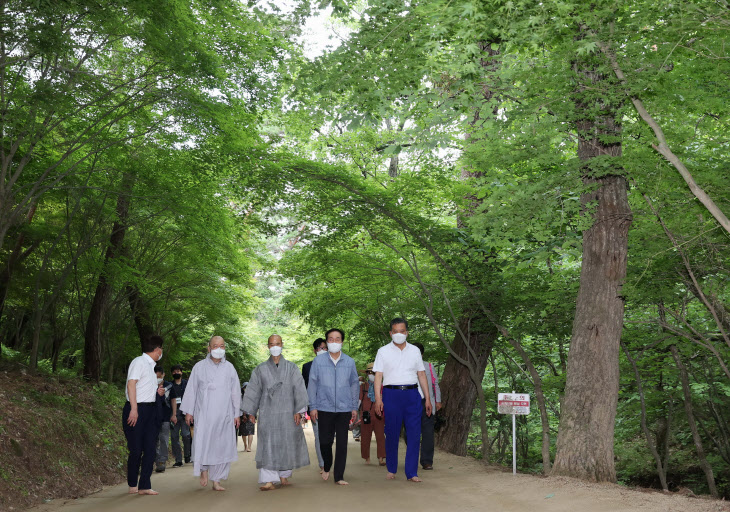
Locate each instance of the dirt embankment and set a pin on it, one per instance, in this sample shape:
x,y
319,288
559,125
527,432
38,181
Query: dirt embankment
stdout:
x,y
59,438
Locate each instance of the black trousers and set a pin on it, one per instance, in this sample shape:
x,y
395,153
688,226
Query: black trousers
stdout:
x,y
427,424
142,444
331,423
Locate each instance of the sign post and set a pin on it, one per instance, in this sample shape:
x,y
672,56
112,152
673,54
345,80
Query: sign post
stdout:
x,y
514,404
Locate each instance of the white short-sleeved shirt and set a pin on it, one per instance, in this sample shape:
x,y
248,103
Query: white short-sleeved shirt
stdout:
x,y
142,369
399,367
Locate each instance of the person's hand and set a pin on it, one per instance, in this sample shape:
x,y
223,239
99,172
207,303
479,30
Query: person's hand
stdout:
x,y
438,406
161,390
173,419
379,407
314,414
297,419
237,422
428,408
133,415
354,416
252,418
189,419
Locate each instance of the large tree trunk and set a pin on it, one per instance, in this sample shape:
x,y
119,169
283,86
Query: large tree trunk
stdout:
x,y
458,393
585,435
92,336
141,313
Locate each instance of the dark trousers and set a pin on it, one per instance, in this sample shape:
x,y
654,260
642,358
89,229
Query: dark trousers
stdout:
x,y
142,444
180,427
427,423
331,423
402,407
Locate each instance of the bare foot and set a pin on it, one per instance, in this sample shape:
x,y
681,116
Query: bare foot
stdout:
x,y
390,476
325,475
248,449
148,491
285,481
133,490
367,461
218,487
342,482
321,470
415,479
381,461
268,486
203,478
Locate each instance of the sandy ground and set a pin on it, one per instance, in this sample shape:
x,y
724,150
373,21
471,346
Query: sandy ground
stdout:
x,y
456,483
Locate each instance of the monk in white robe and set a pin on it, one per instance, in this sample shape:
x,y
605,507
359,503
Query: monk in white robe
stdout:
x,y
212,400
277,393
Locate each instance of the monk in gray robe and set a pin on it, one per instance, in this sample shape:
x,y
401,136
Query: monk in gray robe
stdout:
x,y
276,391
212,400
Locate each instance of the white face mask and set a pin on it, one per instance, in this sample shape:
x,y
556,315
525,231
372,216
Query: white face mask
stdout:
x,y
275,351
160,355
159,380
218,353
371,378
398,338
334,347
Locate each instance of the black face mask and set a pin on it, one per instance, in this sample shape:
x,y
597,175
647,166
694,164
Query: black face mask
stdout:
x,y
177,376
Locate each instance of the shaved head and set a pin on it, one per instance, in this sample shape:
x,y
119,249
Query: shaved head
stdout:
x,y
216,342
274,340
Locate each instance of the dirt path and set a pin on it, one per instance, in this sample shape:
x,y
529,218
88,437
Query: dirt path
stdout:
x,y
457,483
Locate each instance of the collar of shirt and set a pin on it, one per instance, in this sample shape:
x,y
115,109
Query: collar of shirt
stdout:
x,y
335,361
149,360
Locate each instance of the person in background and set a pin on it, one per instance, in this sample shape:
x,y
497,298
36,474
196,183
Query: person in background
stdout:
x,y
212,400
428,421
139,416
247,428
371,421
320,347
398,371
333,394
164,413
277,393
356,422
178,420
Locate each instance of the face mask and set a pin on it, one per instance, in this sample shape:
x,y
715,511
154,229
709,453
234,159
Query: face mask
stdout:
x,y
321,351
275,351
334,347
218,353
160,355
371,378
177,376
159,380
398,338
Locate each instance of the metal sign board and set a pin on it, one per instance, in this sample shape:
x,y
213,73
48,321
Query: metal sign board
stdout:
x,y
513,403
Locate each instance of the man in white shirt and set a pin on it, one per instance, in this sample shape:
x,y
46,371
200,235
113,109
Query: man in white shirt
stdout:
x,y
139,416
398,370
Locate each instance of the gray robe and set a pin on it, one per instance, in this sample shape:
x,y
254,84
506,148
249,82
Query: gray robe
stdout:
x,y
213,397
277,393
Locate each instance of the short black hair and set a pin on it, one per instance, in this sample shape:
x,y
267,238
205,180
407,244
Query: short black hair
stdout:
x,y
176,367
342,333
159,369
316,343
150,343
397,321
420,347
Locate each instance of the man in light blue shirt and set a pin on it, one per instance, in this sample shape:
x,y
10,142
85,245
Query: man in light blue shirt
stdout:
x,y
333,400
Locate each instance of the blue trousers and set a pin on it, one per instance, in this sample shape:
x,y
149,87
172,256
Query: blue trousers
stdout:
x,y
402,407
142,444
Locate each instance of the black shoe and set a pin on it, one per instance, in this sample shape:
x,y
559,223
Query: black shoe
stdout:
x,y
160,469
177,465
187,460
427,466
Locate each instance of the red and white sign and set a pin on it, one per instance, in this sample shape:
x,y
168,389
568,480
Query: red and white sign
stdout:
x,y
513,403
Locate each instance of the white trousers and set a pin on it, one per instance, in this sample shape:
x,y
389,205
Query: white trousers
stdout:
x,y
272,475
217,472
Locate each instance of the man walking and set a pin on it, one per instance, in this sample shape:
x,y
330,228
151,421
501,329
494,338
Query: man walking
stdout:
x,y
333,399
139,416
277,393
320,347
178,420
164,411
398,371
428,421
212,400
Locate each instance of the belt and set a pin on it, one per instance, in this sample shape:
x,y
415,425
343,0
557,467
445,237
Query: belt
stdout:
x,y
401,387
142,404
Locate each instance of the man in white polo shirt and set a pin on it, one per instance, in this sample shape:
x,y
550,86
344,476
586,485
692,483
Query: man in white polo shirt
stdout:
x,y
139,416
398,370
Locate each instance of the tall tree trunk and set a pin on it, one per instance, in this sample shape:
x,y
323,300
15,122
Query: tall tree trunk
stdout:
x,y
702,459
458,392
140,312
15,258
585,435
92,335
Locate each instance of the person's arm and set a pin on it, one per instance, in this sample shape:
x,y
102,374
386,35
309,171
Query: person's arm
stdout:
x,y
354,391
426,393
188,402
436,389
173,403
132,392
235,398
312,391
378,395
